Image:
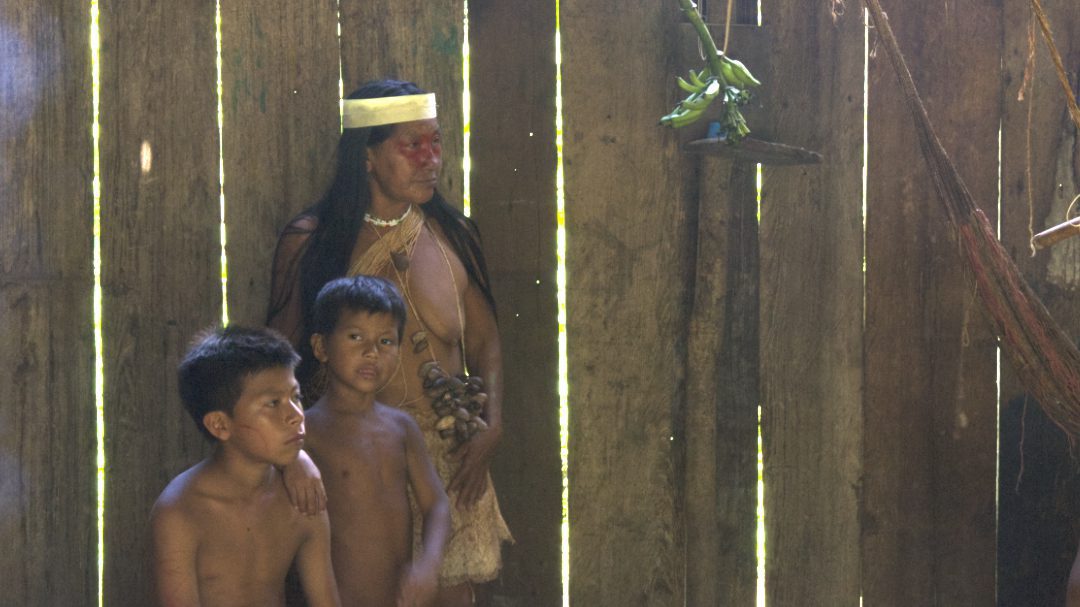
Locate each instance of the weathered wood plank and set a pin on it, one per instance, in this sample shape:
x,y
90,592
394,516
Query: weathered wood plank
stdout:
x,y
723,394
811,306
281,125
1037,506
160,256
629,191
48,524
513,201
416,41
930,413
723,388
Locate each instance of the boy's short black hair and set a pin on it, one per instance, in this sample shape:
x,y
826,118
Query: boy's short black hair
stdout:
x,y
211,376
357,294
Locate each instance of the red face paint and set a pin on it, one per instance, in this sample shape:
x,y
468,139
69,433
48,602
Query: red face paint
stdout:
x,y
422,151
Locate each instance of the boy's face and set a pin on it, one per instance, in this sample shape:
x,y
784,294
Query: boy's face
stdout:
x,y
361,353
267,423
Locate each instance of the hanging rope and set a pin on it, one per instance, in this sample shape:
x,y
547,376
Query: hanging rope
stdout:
x,y
727,26
1048,36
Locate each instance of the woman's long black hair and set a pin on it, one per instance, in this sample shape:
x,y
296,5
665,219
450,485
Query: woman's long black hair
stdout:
x,y
339,215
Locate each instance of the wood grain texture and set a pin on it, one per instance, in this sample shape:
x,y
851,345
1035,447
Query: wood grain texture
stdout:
x,y
48,525
930,414
416,41
629,192
723,391
1038,505
811,307
280,129
513,201
722,366
160,257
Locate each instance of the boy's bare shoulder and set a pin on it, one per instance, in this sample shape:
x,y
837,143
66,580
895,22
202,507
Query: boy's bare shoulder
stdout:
x,y
398,417
182,489
177,506
195,500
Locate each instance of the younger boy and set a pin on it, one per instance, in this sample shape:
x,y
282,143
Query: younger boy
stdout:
x,y
370,454
224,531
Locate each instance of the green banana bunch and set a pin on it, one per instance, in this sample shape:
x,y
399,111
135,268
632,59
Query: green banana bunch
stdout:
x,y
702,87
731,78
737,74
722,74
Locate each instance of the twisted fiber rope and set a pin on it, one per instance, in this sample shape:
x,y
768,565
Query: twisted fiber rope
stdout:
x,y
1045,359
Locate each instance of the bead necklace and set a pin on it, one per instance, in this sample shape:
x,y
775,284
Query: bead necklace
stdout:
x,y
387,223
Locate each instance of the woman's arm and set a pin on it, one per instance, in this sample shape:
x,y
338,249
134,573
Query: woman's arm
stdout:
x,y
285,312
483,356
1072,591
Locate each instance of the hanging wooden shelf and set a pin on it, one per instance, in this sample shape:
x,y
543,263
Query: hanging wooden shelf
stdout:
x,y
754,150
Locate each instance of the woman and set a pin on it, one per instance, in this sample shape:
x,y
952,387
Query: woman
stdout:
x,y
382,216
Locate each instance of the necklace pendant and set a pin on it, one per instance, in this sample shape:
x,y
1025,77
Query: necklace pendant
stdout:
x,y
419,341
400,260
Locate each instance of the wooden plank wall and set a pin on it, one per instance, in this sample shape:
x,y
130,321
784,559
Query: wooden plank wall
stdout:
x,y
629,198
723,391
723,387
812,307
160,248
48,522
280,129
512,88
1039,494
930,408
667,272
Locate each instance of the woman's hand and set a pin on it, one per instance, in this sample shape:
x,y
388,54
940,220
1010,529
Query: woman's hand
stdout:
x,y
303,483
475,456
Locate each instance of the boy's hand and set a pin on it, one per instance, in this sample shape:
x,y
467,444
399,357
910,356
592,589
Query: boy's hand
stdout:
x,y
418,586
475,456
303,483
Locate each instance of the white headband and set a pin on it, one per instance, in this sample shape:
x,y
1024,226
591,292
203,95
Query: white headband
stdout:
x,y
360,113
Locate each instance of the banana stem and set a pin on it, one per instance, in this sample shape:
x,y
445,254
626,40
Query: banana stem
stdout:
x,y
690,9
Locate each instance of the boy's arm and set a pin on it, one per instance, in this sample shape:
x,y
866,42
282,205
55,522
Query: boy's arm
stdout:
x,y
175,547
314,565
483,357
420,581
303,483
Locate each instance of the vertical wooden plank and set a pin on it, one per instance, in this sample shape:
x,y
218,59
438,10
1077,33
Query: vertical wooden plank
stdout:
x,y
811,306
1038,506
415,41
280,128
930,413
629,190
512,69
160,257
723,391
47,447
723,387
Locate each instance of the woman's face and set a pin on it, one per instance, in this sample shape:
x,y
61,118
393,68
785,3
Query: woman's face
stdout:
x,y
405,168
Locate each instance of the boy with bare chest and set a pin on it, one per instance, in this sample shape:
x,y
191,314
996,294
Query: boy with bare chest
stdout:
x,y
370,455
224,531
